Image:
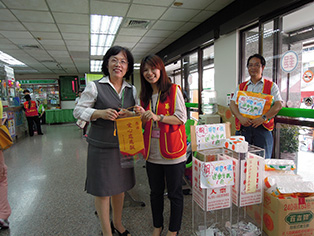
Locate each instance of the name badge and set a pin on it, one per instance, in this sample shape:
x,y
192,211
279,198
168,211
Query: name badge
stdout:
x,y
156,133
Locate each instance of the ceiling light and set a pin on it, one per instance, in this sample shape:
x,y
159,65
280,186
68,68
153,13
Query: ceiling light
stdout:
x,y
103,33
10,60
137,66
95,65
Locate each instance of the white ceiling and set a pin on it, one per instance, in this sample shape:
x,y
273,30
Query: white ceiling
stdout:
x,y
60,29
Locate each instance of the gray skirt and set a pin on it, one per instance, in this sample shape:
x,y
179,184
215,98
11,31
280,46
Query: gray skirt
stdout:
x,y
105,177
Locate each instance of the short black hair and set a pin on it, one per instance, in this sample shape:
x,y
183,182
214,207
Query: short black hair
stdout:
x,y
259,56
26,91
114,51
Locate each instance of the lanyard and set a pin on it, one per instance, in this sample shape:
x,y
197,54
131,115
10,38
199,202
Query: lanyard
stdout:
x,y
122,97
155,111
157,100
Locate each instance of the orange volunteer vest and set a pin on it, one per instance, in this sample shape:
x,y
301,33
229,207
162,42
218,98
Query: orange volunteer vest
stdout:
x,y
172,141
30,111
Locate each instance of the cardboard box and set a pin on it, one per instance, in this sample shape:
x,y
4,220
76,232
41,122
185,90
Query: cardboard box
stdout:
x,y
289,216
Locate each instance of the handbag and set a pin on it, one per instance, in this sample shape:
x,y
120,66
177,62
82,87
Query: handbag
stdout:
x,y
6,140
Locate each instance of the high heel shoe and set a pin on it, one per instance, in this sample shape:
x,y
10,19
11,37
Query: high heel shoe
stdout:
x,y
113,229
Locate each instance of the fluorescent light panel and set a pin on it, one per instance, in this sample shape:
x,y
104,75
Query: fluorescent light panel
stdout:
x,y
137,66
95,65
103,32
10,60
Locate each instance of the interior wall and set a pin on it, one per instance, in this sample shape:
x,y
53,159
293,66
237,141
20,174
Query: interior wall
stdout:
x,y
67,104
226,66
137,81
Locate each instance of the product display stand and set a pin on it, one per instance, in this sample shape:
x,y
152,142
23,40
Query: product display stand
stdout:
x,y
211,206
247,192
212,179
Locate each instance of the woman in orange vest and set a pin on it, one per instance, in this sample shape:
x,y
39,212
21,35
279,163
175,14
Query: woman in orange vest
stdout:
x,y
163,115
31,114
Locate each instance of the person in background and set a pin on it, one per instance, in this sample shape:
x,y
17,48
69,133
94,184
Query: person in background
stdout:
x,y
79,96
257,131
26,92
41,112
101,103
163,114
31,113
5,209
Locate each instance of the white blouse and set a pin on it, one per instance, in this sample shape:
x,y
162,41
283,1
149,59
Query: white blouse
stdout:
x,y
84,108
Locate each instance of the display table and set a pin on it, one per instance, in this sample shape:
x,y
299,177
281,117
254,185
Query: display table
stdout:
x,y
59,116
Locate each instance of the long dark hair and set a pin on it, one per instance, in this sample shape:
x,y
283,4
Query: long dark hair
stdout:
x,y
163,84
114,51
28,98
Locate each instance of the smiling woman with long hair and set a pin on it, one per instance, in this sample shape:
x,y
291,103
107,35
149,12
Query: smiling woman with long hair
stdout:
x,y
163,114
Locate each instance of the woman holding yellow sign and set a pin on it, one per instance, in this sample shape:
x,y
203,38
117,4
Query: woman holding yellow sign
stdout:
x,y
254,104
163,115
101,103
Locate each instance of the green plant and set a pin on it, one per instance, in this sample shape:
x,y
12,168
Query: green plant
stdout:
x,y
289,138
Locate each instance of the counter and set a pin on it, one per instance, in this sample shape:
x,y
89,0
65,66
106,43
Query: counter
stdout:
x,y
16,122
59,116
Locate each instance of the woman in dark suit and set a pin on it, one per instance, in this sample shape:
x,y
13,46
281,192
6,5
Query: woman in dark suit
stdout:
x,y
101,103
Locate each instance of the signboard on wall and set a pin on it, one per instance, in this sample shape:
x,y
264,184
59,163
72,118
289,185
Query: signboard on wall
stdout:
x,y
42,81
289,61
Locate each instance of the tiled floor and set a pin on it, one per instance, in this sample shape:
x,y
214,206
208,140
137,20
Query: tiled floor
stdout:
x,y
46,176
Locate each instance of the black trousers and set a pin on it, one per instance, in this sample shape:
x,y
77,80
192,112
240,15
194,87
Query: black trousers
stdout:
x,y
30,122
171,176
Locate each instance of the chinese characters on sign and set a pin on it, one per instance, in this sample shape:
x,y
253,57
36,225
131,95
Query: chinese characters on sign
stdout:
x,y
216,174
253,105
289,61
130,135
251,174
209,135
212,198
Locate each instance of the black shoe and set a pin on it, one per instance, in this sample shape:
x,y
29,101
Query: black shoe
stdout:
x,y
4,224
113,229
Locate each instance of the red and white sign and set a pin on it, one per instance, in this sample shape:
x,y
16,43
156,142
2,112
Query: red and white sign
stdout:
x,y
240,196
211,198
247,199
289,61
308,76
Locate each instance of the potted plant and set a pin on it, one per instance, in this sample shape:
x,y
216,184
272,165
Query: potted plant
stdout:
x,y
289,141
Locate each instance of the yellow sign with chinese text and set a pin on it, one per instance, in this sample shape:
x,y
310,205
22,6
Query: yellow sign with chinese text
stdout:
x,y
130,135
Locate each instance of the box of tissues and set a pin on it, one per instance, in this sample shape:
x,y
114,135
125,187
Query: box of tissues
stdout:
x,y
237,144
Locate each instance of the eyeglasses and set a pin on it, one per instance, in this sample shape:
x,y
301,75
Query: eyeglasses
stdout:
x,y
115,61
254,65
